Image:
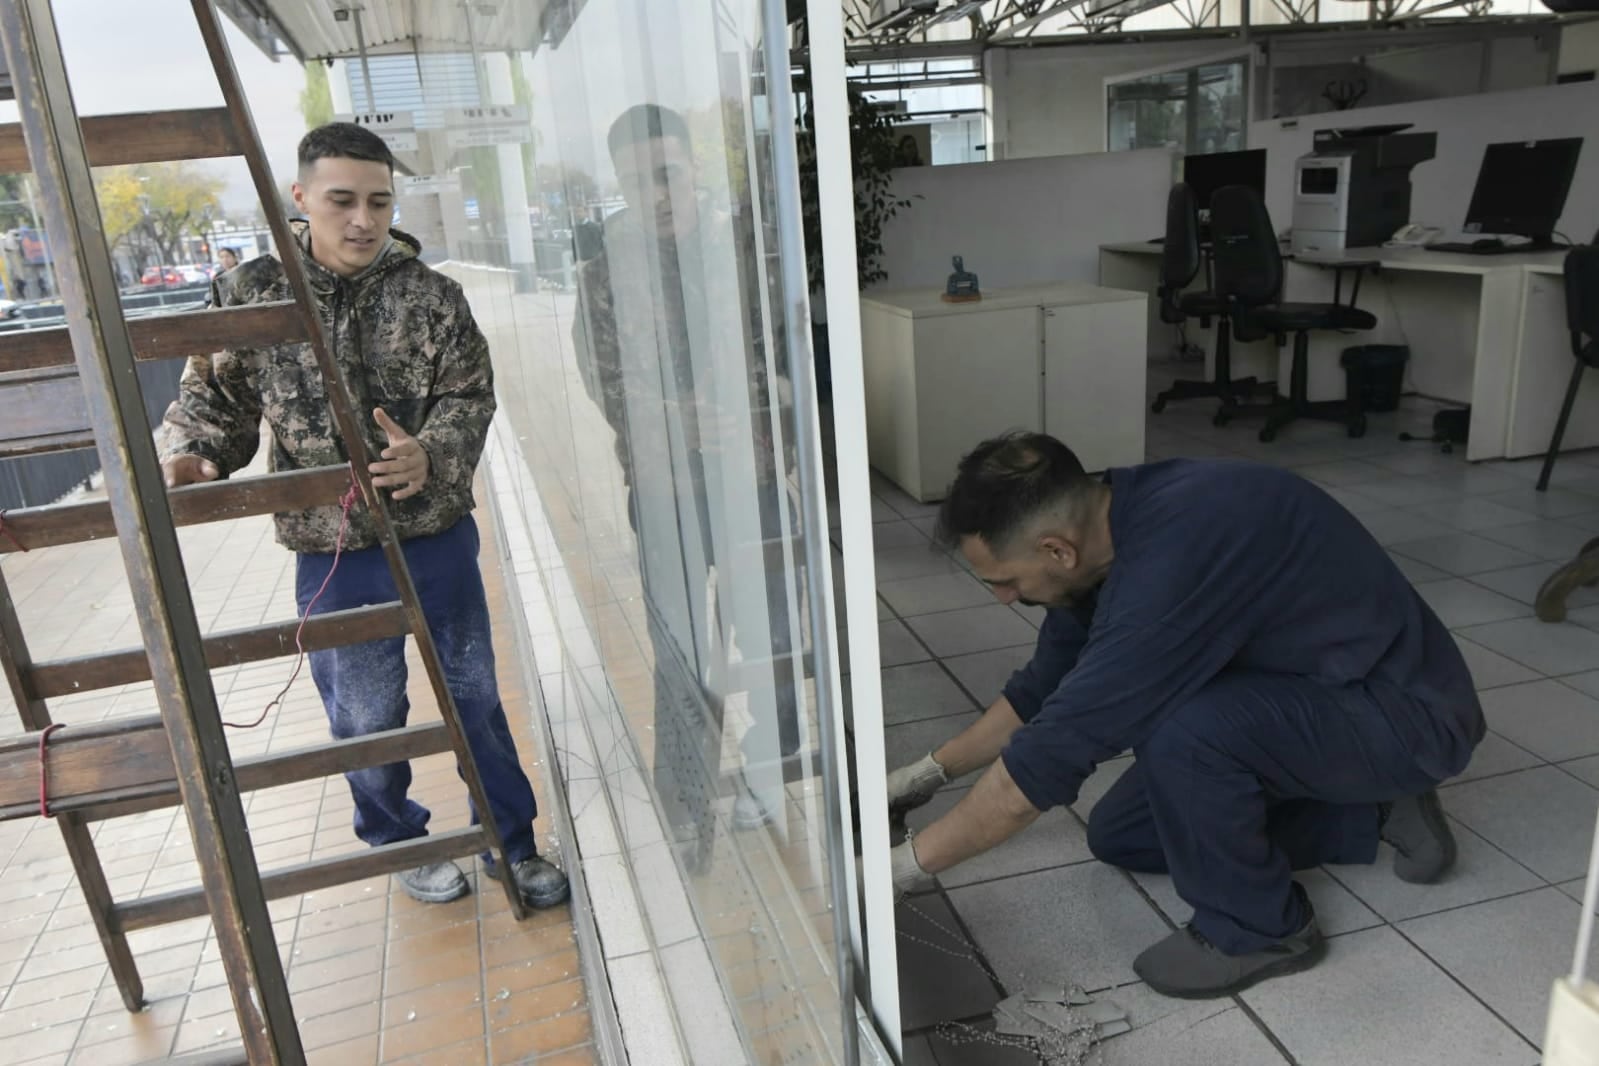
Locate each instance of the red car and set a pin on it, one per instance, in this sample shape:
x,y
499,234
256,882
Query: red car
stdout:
x,y
161,275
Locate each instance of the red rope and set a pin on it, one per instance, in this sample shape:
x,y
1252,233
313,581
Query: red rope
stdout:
x,y
44,776
6,533
346,502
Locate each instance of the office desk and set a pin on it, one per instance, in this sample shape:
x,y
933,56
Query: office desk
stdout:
x,y
1060,357
1467,320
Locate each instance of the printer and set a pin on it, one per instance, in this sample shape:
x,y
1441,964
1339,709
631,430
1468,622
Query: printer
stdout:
x,y
1353,189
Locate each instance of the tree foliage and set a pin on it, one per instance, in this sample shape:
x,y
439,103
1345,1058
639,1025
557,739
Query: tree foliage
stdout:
x,y
156,205
316,99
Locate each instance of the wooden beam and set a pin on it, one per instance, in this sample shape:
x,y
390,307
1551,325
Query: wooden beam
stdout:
x,y
140,137
45,527
51,442
110,769
166,336
311,876
90,673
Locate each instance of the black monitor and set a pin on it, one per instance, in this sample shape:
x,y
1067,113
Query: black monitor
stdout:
x,y
1206,173
1521,188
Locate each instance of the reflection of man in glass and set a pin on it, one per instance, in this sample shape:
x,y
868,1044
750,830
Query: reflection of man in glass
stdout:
x,y
666,311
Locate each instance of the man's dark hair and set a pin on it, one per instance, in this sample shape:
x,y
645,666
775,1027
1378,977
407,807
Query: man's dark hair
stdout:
x,y
1005,482
642,122
344,140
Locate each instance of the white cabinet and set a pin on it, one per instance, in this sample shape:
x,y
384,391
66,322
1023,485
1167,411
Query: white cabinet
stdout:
x,y
1064,358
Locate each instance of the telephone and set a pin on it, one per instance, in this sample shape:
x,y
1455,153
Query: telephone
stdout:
x,y
1414,235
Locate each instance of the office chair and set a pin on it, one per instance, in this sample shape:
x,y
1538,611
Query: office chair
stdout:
x,y
1180,261
1249,281
1582,318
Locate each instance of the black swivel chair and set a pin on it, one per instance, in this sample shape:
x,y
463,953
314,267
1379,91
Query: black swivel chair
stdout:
x,y
1582,317
1180,262
1249,281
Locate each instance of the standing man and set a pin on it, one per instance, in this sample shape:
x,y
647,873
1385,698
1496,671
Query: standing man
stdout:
x,y
1288,696
668,337
413,357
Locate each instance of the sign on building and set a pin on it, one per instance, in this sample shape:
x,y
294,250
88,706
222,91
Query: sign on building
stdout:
x,y
426,183
483,127
397,128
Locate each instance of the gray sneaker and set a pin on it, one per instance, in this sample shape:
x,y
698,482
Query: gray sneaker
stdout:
x,y
1187,966
1424,846
437,882
541,883
748,811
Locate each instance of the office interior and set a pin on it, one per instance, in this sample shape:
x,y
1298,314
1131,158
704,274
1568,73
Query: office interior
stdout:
x,y
725,681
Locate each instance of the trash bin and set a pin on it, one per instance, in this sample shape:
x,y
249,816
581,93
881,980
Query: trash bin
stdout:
x,y
1374,375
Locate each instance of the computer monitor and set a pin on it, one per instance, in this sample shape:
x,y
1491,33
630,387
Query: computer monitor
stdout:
x,y
1521,188
1206,173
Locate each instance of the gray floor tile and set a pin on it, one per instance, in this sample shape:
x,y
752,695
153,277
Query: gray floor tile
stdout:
x,y
1034,615
1471,514
1396,527
882,512
1458,602
918,691
985,673
1587,682
898,564
929,595
1353,501
1056,839
1549,649
1542,817
905,744
974,629
1211,1033
1347,473
963,1047
1506,951
1379,1001
1463,554
933,985
1408,492
1549,719
1105,775
897,646
1546,538
1554,503
1338,910
1489,669
1522,583
1495,755
1417,572
897,534
1585,769
1078,924
918,1052
1481,872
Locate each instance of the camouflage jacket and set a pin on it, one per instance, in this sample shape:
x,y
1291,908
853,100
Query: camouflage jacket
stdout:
x,y
404,339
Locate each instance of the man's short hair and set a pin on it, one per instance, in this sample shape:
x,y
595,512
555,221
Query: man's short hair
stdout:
x,y
344,140
643,122
1005,483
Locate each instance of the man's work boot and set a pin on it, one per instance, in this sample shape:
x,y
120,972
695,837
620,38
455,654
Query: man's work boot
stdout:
x,y
1424,845
1581,571
437,882
1187,966
541,883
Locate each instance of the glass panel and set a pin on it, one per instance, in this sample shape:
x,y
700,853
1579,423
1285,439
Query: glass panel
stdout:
x,y
624,265
1149,112
1220,111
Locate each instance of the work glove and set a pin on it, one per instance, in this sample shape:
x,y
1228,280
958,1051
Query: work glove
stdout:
x,y
908,873
911,786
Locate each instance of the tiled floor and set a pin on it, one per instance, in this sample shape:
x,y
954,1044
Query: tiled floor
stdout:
x,y
1457,973
374,976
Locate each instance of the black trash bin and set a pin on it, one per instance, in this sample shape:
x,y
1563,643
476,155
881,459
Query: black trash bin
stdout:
x,y
1374,375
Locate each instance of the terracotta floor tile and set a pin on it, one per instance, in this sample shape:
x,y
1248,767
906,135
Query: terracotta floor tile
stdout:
x,y
530,1042
548,970
441,1030
35,1043
316,975
356,1052
341,1026
423,973
422,1004
535,1004
467,1053
578,1056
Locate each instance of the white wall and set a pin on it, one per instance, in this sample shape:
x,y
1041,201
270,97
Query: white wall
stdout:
x,y
1464,124
1023,220
1579,46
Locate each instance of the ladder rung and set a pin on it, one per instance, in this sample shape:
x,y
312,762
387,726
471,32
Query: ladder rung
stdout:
x,y
310,876
70,523
141,137
89,673
100,770
53,442
167,336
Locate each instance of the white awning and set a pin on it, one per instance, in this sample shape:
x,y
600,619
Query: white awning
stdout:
x,y
314,29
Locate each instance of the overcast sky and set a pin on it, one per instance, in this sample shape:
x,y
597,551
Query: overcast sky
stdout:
x,y
148,56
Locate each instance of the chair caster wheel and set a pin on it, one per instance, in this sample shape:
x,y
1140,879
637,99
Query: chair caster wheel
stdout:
x,y
1268,435
1357,426
1158,406
1220,418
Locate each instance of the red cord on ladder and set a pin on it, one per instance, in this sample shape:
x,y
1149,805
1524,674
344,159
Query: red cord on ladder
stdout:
x,y
6,533
346,502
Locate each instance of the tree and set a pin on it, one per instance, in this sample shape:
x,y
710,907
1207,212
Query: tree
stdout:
x,y
316,99
157,204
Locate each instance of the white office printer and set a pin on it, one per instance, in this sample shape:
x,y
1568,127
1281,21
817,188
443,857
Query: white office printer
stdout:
x,y
1353,189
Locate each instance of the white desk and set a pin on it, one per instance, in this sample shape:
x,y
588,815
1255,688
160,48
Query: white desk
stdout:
x,y
1468,321
1059,357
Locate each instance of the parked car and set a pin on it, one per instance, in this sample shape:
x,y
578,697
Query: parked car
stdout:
x,y
161,275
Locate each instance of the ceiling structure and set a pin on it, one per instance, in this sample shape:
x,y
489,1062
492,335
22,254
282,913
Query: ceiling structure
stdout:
x,y
336,29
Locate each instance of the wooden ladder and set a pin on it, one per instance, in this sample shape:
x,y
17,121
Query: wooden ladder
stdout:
x,y
121,767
